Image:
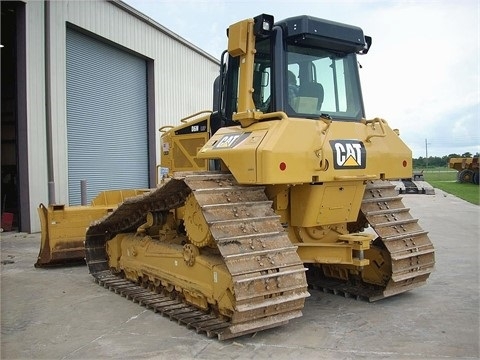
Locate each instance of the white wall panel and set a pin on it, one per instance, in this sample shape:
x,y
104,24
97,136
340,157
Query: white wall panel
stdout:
x,y
183,75
35,75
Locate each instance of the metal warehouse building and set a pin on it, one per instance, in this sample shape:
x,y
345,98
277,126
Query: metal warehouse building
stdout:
x,y
85,88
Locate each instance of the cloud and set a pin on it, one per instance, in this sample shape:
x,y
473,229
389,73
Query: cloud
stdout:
x,y
456,131
421,75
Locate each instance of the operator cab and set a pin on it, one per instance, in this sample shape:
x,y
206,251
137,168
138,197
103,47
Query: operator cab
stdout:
x,y
305,67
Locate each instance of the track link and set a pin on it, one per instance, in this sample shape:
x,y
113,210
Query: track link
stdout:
x,y
174,309
268,276
408,246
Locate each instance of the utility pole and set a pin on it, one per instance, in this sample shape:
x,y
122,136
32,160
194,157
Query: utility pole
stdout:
x,y
426,152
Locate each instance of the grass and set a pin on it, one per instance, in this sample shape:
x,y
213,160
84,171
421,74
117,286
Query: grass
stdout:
x,y
445,179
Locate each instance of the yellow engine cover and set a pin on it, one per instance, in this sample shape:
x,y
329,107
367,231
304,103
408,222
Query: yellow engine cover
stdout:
x,y
293,151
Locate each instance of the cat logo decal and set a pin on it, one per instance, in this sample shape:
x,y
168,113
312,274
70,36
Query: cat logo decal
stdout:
x,y
230,140
348,154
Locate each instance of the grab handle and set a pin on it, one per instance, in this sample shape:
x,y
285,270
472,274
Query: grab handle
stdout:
x,y
382,128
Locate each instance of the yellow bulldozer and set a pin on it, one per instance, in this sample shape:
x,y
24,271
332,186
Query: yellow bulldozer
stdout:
x,y
283,187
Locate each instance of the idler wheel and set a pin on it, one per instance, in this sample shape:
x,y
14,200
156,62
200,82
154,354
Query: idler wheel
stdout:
x,y
195,224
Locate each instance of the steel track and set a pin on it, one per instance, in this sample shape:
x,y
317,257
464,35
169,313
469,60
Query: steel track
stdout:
x,y
253,244
267,275
410,250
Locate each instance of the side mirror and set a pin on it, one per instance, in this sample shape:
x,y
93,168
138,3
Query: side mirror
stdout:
x,y
368,44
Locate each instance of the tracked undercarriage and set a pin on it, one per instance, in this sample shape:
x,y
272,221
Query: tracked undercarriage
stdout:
x,y
242,270
228,267
401,257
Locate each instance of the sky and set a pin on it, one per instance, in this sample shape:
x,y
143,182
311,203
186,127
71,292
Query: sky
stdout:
x,y
421,74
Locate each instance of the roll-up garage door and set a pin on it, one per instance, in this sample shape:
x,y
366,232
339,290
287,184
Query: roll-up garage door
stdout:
x,y
106,117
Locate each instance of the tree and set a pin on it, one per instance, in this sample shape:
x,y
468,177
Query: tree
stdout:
x,y
418,163
436,161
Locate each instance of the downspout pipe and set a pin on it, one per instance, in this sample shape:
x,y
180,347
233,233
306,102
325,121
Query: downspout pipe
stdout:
x,y
48,105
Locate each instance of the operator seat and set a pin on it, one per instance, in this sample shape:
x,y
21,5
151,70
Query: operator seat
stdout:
x,y
314,90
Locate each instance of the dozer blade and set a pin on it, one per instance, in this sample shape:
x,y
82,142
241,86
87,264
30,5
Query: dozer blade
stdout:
x,y
63,227
63,233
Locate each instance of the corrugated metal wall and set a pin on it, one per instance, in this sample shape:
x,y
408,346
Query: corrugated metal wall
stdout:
x,y
179,70
106,118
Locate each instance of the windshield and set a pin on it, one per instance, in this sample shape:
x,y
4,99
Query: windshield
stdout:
x,y
316,82
322,82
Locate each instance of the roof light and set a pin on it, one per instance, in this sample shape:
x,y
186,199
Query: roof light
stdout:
x,y
263,25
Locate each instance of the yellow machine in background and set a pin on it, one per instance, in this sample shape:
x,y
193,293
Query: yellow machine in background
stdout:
x,y
270,193
467,169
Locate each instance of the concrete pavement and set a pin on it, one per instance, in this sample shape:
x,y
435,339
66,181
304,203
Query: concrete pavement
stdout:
x,y
61,313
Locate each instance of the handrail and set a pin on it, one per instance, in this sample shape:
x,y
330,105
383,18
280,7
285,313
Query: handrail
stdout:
x,y
165,128
382,128
185,119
